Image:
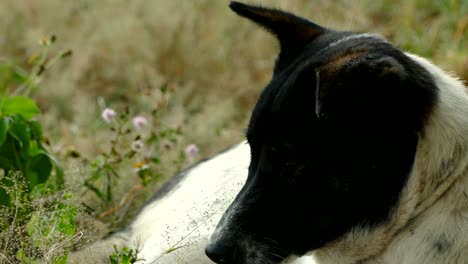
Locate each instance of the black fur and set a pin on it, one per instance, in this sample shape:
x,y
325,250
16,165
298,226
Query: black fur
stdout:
x,y
293,32
442,244
333,139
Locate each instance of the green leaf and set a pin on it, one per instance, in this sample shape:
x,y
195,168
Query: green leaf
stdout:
x,y
7,155
33,148
60,259
21,132
38,170
59,174
4,123
66,221
124,259
41,190
20,105
36,130
113,259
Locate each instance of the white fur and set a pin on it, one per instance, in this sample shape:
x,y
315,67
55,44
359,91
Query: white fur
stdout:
x,y
187,214
351,37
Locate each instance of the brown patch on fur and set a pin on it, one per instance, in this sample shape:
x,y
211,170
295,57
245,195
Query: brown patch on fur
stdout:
x,y
338,62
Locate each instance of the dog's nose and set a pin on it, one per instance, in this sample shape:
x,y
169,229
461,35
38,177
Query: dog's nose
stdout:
x,y
220,252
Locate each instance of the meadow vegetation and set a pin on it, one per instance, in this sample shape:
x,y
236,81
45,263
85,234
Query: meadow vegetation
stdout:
x,y
190,70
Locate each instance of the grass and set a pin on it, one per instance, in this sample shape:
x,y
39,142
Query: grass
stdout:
x,y
214,64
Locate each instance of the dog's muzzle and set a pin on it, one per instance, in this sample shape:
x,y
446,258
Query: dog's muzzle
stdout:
x,y
221,252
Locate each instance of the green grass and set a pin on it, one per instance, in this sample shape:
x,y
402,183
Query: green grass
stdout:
x,y
214,63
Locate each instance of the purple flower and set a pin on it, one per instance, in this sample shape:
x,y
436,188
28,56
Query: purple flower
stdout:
x,y
191,152
108,115
139,122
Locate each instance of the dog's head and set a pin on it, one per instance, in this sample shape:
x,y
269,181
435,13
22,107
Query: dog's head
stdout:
x,y
333,139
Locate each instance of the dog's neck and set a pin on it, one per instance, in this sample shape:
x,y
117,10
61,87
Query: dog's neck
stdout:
x,y
442,157
441,162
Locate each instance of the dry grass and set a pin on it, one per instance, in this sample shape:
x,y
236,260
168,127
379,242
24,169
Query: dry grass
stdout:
x,y
215,63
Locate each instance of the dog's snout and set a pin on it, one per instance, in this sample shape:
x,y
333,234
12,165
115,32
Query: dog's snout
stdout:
x,y
220,252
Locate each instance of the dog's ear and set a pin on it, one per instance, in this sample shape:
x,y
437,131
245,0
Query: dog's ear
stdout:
x,y
293,32
363,87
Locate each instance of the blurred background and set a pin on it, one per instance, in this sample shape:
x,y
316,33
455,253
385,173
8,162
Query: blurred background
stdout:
x,y
195,63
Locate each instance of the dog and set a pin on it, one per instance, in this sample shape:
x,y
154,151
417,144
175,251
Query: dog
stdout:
x,y
359,154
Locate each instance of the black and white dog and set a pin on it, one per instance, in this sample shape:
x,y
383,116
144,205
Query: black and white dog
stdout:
x,y
357,153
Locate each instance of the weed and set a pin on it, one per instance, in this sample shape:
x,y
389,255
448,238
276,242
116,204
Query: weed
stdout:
x,y
135,145
36,226
21,139
32,222
124,256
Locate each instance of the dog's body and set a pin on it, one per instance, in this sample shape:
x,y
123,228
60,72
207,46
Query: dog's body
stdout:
x,y
357,153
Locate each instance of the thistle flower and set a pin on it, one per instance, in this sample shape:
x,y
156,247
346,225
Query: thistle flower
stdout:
x,y
139,122
137,145
191,152
108,115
